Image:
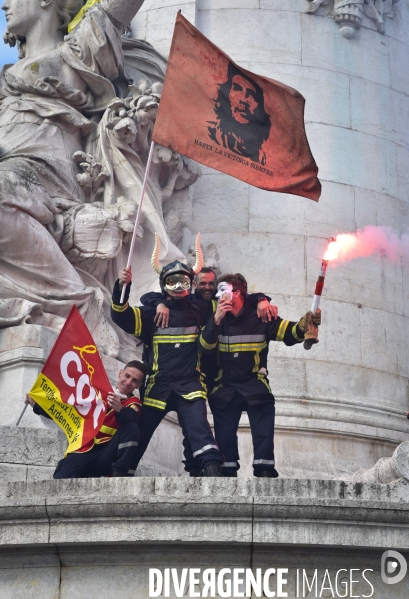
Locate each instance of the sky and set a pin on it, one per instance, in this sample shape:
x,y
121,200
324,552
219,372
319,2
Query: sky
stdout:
x,y
7,55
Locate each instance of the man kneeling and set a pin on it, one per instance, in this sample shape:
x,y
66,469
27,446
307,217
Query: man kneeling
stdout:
x,y
113,449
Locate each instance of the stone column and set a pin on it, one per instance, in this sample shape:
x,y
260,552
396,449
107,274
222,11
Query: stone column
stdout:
x,y
341,406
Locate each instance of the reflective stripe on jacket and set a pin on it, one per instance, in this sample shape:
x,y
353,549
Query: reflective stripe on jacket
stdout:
x,y
173,353
242,345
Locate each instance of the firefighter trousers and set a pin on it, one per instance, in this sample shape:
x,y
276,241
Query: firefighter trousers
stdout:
x,y
116,454
192,417
226,422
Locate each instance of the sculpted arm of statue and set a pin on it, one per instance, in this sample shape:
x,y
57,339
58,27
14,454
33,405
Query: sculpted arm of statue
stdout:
x,y
122,11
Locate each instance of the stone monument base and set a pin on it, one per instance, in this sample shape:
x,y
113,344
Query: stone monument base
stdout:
x,y
98,538
304,448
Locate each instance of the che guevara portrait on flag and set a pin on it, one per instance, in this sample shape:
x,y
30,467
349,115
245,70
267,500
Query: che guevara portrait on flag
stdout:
x,y
230,119
242,124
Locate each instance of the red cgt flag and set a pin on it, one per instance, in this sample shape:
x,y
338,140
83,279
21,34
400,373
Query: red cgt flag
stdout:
x,y
73,385
232,120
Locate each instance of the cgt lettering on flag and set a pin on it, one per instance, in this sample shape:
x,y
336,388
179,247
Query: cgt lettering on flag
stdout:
x,y
73,386
242,124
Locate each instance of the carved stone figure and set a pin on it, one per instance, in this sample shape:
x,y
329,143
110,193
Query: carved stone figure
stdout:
x,y
348,14
210,257
72,160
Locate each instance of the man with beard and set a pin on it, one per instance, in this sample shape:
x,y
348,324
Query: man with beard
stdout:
x,y
242,124
205,289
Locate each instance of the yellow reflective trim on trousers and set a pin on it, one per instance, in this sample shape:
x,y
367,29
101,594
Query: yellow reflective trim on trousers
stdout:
x,y
263,380
201,375
119,308
256,367
294,332
108,430
235,347
155,365
282,330
206,345
150,384
138,321
154,403
195,394
217,379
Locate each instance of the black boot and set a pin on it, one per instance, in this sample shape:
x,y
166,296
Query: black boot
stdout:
x,y
195,472
116,473
212,470
266,474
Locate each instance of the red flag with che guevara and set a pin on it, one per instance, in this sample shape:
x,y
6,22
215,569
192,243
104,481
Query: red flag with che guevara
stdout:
x,y
73,385
232,120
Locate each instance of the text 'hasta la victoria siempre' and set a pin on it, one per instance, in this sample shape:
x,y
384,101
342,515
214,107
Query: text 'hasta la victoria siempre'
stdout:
x,y
237,122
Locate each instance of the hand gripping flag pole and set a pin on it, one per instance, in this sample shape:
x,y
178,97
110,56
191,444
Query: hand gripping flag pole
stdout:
x,y
138,214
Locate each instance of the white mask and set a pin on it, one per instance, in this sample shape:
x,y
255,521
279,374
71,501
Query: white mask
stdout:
x,y
224,290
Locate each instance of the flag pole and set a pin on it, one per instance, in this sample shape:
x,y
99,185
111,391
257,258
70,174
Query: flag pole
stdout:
x,y
21,414
138,214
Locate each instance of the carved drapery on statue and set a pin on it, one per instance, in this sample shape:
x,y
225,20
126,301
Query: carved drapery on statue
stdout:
x,y
71,168
348,14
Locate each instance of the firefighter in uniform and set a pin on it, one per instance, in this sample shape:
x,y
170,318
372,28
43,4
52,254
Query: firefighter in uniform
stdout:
x,y
242,339
175,380
204,289
113,449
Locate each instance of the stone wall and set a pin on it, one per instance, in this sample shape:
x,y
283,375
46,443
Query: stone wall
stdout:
x,y
345,402
97,538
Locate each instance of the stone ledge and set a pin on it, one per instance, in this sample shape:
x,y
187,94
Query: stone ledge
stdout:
x,y
30,446
180,510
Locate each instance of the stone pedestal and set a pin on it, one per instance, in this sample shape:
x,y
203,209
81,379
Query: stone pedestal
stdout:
x,y
23,351
97,538
342,405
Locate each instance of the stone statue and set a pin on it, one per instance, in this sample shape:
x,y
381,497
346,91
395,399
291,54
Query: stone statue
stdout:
x,y
72,160
348,13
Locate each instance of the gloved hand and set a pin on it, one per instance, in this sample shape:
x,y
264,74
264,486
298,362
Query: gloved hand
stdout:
x,y
316,318
308,319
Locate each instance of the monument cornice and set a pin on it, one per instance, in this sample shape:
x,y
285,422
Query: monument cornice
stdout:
x,y
222,511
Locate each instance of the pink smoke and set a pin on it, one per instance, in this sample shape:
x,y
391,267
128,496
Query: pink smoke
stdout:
x,y
366,242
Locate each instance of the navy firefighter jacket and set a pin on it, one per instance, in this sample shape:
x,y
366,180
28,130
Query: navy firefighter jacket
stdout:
x,y
173,353
208,361
242,346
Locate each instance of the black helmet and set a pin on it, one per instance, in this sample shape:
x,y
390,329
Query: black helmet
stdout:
x,y
175,268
